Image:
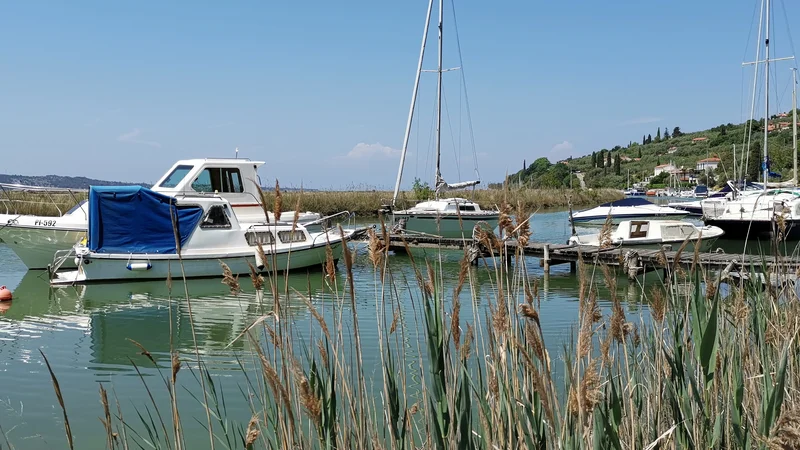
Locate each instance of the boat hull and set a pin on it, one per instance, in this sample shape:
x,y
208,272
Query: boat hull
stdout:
x,y
445,225
116,267
706,245
756,229
36,246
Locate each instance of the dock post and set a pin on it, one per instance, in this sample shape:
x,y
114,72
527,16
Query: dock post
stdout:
x,y
573,267
545,261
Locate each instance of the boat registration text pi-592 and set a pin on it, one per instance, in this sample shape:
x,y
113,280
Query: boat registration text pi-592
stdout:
x,y
44,223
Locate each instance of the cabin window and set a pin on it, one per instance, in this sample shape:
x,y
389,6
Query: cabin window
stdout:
x,y
639,229
219,180
216,218
259,237
175,177
466,207
292,236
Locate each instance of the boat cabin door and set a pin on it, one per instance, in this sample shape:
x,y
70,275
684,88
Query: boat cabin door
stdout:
x,y
639,229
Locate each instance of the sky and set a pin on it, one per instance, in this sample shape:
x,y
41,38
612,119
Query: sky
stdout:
x,y
321,90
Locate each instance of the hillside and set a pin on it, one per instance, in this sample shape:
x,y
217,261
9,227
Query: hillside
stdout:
x,y
59,181
683,151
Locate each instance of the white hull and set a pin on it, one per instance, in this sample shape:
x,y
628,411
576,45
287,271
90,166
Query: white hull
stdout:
x,y
115,267
445,225
36,244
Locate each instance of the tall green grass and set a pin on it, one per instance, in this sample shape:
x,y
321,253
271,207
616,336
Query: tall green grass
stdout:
x,y
703,370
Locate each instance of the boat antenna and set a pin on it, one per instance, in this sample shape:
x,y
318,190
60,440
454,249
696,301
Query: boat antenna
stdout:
x,y
413,104
237,152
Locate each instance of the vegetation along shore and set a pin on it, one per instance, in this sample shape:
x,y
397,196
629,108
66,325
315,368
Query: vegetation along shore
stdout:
x,y
362,203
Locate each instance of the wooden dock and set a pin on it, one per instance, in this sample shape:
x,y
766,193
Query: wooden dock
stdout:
x,y
631,260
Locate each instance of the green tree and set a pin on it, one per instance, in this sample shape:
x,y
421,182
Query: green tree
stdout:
x,y
422,191
594,159
644,139
658,135
640,153
676,132
649,139
608,159
617,163
666,133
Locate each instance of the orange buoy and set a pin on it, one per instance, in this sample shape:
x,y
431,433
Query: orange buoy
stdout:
x,y
5,294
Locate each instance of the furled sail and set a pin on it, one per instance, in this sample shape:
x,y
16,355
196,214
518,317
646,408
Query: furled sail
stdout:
x,y
442,185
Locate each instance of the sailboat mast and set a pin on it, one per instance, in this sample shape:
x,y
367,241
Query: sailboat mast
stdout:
x,y
794,121
766,98
413,103
438,177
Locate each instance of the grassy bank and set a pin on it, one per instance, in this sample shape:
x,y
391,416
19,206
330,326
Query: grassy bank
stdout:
x,y
366,203
363,203
706,368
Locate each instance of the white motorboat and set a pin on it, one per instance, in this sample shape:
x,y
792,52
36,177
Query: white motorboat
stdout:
x,y
653,234
136,233
445,217
626,209
36,238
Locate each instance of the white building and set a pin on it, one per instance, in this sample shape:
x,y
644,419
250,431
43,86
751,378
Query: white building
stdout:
x,y
663,168
708,164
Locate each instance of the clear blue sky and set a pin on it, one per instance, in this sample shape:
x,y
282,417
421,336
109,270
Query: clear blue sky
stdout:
x,y
320,90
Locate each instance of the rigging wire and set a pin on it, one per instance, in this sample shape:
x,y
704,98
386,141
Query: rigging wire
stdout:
x,y
466,96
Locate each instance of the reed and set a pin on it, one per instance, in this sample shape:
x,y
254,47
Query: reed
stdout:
x,y
701,369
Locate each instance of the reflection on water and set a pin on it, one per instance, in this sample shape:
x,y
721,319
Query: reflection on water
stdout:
x,y
85,331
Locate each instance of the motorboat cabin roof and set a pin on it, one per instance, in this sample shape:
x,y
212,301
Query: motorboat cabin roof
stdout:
x,y
209,176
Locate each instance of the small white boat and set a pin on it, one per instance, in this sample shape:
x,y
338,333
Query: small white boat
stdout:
x,y
654,234
626,209
446,217
36,238
139,234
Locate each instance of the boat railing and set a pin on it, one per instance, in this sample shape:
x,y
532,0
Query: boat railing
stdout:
x,y
20,198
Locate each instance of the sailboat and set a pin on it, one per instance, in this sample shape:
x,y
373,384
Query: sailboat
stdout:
x,y
445,217
771,211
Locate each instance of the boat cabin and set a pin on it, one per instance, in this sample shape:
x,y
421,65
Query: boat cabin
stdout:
x,y
451,205
235,180
659,229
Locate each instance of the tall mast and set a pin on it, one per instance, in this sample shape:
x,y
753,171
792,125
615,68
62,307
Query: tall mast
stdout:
x,y
794,121
438,177
766,98
413,103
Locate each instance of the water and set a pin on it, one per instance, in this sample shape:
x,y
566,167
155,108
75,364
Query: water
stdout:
x,y
84,331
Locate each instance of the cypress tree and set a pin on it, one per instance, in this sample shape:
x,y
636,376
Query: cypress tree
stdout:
x,y
658,135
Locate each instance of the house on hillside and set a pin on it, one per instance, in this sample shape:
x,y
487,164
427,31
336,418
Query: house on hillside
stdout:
x,y
672,150
663,168
624,158
699,139
708,164
683,175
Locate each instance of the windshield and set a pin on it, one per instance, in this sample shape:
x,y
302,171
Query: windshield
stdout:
x,y
176,176
76,207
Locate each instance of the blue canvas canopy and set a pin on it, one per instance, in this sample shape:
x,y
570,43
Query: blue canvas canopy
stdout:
x,y
632,201
134,219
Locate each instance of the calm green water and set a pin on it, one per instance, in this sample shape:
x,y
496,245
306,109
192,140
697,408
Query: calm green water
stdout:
x,y
84,332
